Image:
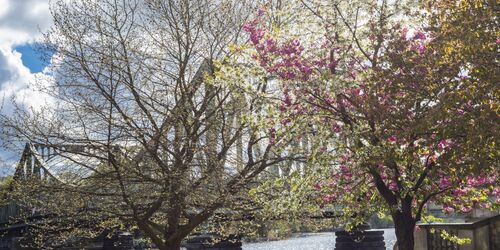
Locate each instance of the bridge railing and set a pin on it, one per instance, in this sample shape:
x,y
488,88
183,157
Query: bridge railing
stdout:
x,y
483,233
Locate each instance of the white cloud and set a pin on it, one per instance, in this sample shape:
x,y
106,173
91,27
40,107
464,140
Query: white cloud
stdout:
x,y
5,6
17,82
21,22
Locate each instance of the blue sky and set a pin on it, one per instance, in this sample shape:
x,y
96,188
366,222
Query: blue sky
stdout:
x,y
31,57
21,24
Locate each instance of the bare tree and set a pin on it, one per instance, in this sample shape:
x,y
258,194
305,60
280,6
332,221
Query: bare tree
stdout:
x,y
140,132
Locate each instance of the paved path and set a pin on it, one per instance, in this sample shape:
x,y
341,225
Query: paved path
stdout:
x,y
311,241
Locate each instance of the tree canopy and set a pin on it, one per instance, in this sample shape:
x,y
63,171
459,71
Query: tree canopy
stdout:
x,y
406,114
142,131
166,113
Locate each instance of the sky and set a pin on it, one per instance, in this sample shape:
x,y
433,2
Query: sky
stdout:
x,y
21,24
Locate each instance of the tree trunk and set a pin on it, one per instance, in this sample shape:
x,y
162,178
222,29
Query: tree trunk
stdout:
x,y
404,226
173,245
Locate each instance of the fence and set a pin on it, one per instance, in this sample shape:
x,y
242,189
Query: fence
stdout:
x,y
484,234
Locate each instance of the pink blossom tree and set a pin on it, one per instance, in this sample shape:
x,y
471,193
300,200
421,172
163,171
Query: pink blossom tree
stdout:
x,y
402,124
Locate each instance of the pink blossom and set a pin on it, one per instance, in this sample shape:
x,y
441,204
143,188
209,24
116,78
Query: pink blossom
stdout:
x,y
393,186
404,33
347,188
471,181
433,157
250,26
485,205
256,36
353,74
298,109
444,182
421,48
271,45
306,70
348,176
466,209
344,168
311,99
317,186
336,128
282,108
381,166
329,198
288,99
332,183
329,100
459,192
287,75
272,136
492,178
393,139
358,92
384,176
481,180
476,181
419,35
496,191
260,12
285,121
443,144
448,210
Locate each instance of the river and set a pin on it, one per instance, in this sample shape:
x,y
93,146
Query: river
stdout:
x,y
311,241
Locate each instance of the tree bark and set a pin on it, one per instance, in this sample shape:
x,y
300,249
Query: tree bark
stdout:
x,y
172,245
404,226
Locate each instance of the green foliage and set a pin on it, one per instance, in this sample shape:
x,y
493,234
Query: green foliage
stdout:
x,y
455,239
428,218
5,185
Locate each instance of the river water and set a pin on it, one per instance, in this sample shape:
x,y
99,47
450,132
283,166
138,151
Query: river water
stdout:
x,y
311,241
